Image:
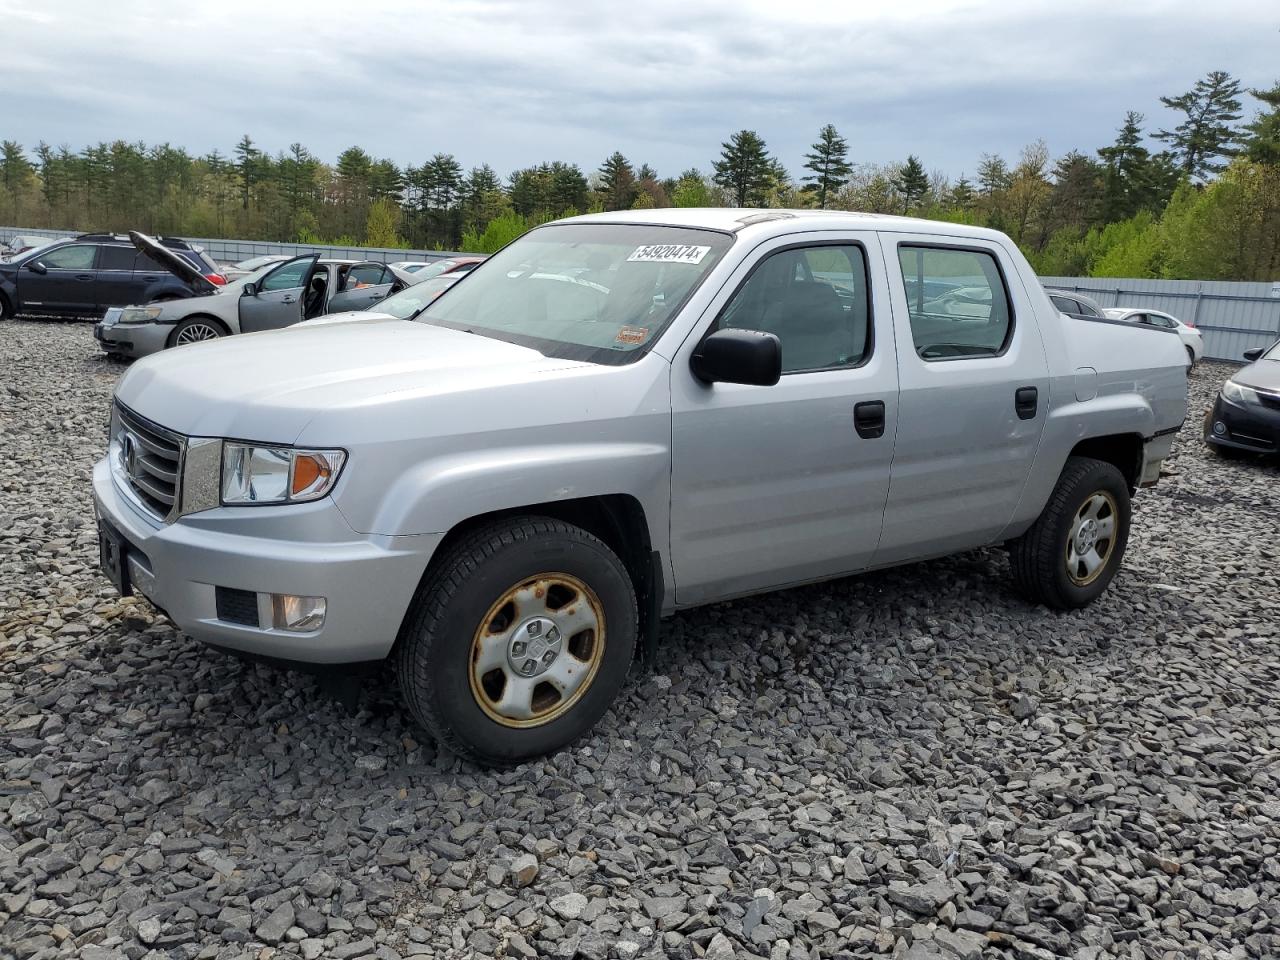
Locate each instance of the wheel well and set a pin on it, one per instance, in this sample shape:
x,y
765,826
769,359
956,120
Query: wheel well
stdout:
x,y
617,519
1122,450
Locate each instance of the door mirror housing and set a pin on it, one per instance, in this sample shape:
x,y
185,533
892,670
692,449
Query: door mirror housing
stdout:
x,y
1254,354
249,290
35,266
752,357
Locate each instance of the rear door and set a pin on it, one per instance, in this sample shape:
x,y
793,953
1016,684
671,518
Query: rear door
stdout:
x,y
67,284
365,284
974,385
116,286
279,296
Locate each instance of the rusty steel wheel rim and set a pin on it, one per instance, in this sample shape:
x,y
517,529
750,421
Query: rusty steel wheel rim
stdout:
x,y
1092,540
537,650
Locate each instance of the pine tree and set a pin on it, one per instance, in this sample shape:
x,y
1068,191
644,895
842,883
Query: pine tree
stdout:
x,y
961,196
911,182
1262,145
745,169
1211,107
993,174
1128,180
829,161
248,158
617,182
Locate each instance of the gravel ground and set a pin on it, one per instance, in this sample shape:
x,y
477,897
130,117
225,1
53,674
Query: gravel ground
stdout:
x,y
914,763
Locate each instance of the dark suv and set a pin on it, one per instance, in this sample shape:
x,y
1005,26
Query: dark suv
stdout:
x,y
89,273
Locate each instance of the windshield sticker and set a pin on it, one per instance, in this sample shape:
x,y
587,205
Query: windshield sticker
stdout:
x,y
668,253
632,335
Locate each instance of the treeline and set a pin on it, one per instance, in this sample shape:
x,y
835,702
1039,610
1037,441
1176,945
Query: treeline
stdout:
x,y
1199,199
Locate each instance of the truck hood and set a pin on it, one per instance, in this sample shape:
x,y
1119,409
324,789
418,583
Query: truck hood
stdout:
x,y
269,386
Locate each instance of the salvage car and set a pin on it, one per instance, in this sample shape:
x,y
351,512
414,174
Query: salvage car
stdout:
x,y
280,295
1192,339
1245,417
1075,304
94,271
503,494
242,268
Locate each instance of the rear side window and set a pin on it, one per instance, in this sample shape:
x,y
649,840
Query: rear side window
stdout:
x,y
957,302
814,299
115,258
144,264
1065,305
79,256
365,275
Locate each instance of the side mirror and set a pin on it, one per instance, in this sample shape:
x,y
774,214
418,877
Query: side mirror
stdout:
x,y
249,290
35,266
1254,354
738,356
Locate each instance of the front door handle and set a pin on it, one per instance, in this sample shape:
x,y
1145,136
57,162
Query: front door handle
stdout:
x,y
286,300
868,419
85,276
1026,401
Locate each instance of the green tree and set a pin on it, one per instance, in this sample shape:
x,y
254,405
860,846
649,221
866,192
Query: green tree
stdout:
x,y
1210,108
691,190
1262,143
15,172
911,182
828,163
248,158
1128,184
745,169
382,224
961,196
617,182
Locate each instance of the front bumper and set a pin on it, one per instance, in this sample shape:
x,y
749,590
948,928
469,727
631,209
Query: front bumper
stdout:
x,y
132,339
1254,427
302,549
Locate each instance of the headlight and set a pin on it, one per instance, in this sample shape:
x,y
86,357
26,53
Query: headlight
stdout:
x,y
140,314
1233,392
253,474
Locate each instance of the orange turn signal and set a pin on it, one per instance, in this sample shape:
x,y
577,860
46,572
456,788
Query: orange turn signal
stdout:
x,y
307,469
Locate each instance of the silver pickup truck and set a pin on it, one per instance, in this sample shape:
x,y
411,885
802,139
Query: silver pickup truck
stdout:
x,y
615,417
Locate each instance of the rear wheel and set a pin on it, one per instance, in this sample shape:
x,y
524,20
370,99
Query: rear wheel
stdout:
x,y
519,640
196,330
1068,557
1191,358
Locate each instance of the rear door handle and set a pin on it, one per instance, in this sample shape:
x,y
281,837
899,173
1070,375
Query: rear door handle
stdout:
x,y
85,276
868,419
286,299
1026,401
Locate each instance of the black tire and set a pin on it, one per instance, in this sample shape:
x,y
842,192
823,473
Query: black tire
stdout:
x,y
1039,558
1191,359
6,312
435,648
181,330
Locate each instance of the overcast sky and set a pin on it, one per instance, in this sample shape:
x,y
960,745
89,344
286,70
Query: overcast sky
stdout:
x,y
664,81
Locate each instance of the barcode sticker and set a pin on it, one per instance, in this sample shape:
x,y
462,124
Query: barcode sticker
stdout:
x,y
669,253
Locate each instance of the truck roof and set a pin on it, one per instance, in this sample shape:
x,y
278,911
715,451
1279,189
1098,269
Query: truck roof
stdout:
x,y
779,221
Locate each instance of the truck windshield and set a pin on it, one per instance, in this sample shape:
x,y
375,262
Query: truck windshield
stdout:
x,y
600,292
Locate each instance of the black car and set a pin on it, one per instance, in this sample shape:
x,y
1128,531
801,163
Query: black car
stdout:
x,y
87,274
1246,415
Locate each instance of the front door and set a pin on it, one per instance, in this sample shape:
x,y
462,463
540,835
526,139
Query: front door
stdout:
x,y
975,393
278,298
68,283
782,484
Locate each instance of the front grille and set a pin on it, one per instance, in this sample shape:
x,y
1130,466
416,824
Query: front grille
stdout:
x,y
236,606
151,459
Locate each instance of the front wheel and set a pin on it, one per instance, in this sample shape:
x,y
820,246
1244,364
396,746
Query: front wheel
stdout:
x,y
1191,358
195,330
518,640
1068,557
6,311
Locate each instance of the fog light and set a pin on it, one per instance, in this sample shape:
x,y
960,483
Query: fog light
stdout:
x,y
1220,428
299,614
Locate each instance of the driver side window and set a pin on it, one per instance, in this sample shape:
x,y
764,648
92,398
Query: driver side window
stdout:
x,y
76,257
288,276
814,300
956,301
